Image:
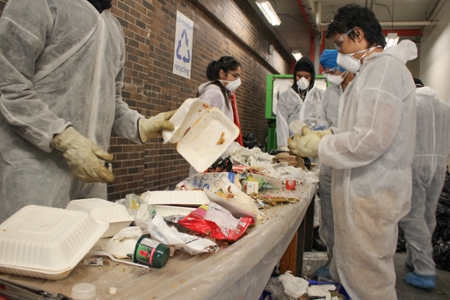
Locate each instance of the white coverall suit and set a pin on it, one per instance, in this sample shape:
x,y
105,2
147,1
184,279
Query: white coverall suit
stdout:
x,y
330,104
290,108
62,63
428,170
371,183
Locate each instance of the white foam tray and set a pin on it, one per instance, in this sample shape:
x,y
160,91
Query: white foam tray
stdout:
x,y
207,139
46,242
182,198
115,214
185,116
167,210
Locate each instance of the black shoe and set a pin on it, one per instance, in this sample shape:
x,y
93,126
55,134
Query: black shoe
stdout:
x,y
318,245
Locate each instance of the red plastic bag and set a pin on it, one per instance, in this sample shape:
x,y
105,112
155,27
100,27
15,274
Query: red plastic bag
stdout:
x,y
215,221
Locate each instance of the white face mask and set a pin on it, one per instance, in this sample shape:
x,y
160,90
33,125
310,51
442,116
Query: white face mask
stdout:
x,y
351,64
303,83
232,85
336,79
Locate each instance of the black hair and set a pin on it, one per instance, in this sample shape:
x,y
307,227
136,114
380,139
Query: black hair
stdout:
x,y
225,63
418,83
301,65
101,5
351,15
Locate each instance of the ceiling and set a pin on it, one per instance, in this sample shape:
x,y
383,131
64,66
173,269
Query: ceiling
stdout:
x,y
301,19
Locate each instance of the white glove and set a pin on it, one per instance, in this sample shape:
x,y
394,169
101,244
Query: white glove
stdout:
x,y
307,143
152,127
82,156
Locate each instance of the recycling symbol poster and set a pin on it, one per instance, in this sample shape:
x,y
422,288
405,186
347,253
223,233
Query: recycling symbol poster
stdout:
x,y
183,46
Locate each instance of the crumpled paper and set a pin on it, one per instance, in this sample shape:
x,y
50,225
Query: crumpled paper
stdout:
x,y
123,242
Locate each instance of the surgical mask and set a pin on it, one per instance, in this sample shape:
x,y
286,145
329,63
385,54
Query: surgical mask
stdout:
x,y
232,85
336,79
351,64
303,83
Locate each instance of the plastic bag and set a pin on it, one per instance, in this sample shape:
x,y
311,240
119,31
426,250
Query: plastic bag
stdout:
x,y
215,221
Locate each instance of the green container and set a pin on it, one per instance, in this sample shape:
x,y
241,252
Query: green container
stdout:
x,y
150,252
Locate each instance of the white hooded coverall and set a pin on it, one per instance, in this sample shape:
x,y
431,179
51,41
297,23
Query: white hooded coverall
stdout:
x,y
371,183
330,104
62,63
290,108
428,171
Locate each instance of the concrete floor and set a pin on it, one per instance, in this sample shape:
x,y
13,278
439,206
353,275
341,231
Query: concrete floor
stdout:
x,y
408,292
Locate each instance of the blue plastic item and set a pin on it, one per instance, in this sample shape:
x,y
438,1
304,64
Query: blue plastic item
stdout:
x,y
421,281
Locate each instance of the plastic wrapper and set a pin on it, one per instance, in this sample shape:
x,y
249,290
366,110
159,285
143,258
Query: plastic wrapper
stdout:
x,y
215,221
137,207
193,245
293,286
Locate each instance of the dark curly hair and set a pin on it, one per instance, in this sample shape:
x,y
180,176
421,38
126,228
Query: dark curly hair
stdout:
x,y
352,15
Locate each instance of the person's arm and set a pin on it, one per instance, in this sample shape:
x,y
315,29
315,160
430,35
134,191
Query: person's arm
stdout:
x,y
24,26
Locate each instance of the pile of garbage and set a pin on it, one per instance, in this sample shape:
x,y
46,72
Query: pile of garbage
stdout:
x,y
441,236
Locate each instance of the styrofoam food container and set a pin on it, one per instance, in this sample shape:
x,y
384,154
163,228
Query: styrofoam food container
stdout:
x,y
182,198
47,242
115,214
185,116
208,138
167,210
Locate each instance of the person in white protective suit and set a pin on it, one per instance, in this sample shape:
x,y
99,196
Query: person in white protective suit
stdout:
x,y
338,79
224,77
371,153
62,69
428,171
300,102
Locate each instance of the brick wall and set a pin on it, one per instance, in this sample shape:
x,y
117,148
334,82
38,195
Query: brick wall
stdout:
x,y
220,28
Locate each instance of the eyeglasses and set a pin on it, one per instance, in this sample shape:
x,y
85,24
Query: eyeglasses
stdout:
x,y
331,71
235,75
338,42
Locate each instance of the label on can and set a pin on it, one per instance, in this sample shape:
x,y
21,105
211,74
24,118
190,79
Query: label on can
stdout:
x,y
145,251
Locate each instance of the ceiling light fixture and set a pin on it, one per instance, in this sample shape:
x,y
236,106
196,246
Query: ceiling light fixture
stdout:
x,y
297,55
268,11
391,39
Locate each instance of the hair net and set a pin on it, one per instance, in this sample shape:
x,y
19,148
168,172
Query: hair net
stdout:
x,y
328,59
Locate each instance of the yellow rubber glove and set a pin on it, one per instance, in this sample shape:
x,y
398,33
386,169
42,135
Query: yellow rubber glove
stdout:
x,y
83,156
307,143
152,127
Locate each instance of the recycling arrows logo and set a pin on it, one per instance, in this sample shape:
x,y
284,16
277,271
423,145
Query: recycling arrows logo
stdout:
x,y
183,48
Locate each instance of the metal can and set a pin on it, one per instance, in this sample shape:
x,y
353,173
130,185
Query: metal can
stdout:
x,y
151,252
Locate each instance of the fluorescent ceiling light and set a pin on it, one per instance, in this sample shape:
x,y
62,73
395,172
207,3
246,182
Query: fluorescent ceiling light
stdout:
x,y
268,11
297,55
391,39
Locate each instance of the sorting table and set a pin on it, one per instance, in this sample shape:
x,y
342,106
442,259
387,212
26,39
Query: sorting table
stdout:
x,y
237,271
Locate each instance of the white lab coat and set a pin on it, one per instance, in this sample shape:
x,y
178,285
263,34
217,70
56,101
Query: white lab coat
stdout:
x,y
428,169
61,64
371,182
